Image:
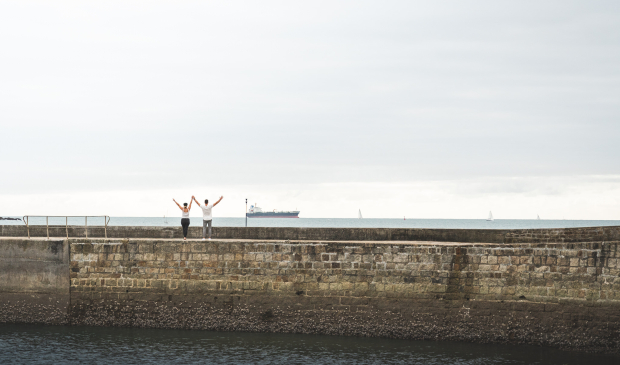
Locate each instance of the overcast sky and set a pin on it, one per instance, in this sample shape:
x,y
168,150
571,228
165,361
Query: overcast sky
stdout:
x,y
426,109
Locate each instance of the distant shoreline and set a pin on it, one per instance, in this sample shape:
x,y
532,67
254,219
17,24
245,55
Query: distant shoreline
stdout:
x,y
480,223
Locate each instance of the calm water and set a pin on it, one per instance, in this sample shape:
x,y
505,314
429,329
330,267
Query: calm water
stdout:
x,y
32,344
334,222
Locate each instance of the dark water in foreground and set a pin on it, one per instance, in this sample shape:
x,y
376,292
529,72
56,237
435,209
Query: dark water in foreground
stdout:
x,y
32,344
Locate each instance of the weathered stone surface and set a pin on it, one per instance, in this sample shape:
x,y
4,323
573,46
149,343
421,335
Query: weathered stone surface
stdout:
x,y
589,234
43,308
557,294
564,326
34,281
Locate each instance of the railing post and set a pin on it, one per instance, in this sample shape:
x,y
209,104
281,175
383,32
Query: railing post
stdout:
x,y
86,226
27,226
48,227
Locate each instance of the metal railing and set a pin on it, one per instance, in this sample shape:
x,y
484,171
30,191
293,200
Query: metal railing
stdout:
x,y
106,220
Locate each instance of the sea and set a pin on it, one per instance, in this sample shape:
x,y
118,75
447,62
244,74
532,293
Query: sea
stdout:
x,y
38,344
324,222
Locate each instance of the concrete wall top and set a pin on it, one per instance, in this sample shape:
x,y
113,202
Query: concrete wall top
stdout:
x,y
37,266
588,234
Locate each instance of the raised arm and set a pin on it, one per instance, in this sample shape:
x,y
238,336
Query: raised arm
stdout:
x,y
196,200
190,205
177,204
217,202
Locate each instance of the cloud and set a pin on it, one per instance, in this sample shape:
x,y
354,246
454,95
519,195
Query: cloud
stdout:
x,y
501,100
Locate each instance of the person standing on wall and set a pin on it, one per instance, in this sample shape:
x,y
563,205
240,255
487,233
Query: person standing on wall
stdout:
x,y
207,216
184,216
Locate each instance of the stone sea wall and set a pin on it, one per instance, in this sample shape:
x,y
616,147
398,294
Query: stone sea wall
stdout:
x,y
565,295
34,281
586,234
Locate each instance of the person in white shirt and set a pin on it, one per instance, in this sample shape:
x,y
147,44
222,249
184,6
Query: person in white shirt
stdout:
x,y
207,216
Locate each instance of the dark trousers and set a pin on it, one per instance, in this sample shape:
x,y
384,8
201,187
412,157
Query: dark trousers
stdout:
x,y
185,224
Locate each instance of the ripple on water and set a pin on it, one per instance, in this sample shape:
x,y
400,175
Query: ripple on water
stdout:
x,y
35,344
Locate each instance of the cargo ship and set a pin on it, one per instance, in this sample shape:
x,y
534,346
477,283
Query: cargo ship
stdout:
x,y
257,212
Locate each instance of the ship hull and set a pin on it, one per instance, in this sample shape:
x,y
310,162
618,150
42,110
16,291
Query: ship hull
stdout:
x,y
273,215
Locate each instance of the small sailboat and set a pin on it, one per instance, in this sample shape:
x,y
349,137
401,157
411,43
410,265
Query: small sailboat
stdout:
x,y
165,219
537,217
490,219
359,214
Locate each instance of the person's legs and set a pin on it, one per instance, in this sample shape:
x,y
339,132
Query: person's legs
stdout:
x,y
185,225
209,227
204,229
